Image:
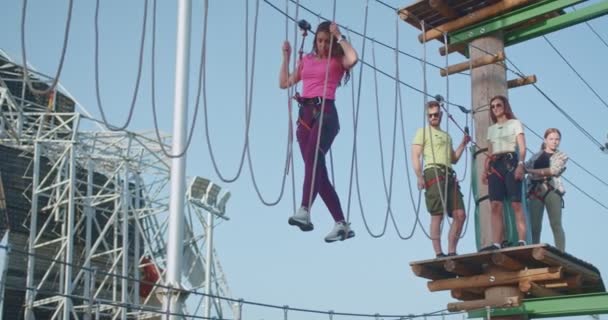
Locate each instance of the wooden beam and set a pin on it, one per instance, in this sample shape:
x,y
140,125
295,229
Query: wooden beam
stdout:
x,y
461,269
443,9
471,18
504,261
536,290
475,63
553,259
466,295
518,82
423,272
570,282
480,304
496,279
461,47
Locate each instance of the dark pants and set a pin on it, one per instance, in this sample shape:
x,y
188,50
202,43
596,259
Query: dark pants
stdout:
x,y
307,135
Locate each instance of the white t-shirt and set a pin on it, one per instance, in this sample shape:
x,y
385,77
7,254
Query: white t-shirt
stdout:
x,y
503,136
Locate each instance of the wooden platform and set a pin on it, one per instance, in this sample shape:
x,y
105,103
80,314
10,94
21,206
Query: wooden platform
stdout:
x,y
532,271
422,10
463,20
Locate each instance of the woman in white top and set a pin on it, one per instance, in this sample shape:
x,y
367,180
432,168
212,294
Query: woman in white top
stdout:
x,y
504,169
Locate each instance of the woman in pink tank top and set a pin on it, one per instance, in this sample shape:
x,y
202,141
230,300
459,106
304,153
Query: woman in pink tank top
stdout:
x,y
321,72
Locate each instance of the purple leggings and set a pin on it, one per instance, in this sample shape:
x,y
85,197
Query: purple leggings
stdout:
x,y
307,133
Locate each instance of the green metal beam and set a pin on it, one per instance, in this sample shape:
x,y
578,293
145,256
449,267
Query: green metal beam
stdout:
x,y
557,23
577,305
510,19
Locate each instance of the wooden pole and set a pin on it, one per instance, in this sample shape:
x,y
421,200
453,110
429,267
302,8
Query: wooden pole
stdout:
x,y
518,82
473,63
486,82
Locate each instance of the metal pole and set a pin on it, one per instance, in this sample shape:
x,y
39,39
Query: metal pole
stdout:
x,y
208,263
178,164
124,294
31,259
88,235
69,253
137,239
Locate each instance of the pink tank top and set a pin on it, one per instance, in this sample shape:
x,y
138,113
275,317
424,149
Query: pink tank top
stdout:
x,y
312,73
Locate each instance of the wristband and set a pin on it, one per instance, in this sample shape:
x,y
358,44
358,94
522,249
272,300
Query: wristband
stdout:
x,y
342,37
521,162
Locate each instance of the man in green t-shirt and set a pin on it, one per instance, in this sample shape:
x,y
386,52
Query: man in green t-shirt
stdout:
x,y
433,146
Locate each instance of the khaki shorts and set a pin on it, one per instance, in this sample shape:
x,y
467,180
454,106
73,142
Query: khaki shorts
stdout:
x,y
436,187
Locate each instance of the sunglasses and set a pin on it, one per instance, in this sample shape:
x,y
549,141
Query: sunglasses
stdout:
x,y
435,115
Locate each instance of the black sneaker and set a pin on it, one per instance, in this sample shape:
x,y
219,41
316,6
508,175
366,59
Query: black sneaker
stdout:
x,y
491,247
505,244
521,243
452,254
440,255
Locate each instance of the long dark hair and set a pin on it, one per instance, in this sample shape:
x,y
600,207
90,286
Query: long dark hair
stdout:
x,y
547,133
336,49
508,111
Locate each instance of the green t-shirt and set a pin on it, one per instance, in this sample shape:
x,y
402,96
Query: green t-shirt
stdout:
x,y
437,152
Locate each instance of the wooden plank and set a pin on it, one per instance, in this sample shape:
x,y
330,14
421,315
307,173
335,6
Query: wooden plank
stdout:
x,y
443,9
460,268
536,290
552,259
472,18
496,279
475,63
466,295
480,304
518,82
504,261
461,47
423,271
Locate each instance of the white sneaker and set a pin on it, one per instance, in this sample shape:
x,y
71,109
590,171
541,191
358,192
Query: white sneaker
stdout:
x,y
341,231
301,219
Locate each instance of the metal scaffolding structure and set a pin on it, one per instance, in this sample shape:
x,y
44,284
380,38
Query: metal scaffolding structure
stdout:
x,y
90,239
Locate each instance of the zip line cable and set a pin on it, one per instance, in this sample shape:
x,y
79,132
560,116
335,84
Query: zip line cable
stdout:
x,y
602,181
247,112
370,39
602,40
290,93
576,71
139,69
66,36
572,183
96,271
574,122
356,107
354,160
520,74
250,104
578,126
460,107
321,114
153,85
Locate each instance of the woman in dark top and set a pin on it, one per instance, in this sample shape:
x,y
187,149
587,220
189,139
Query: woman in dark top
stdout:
x,y
546,189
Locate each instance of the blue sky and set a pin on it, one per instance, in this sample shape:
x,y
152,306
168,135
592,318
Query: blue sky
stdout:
x,y
265,259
